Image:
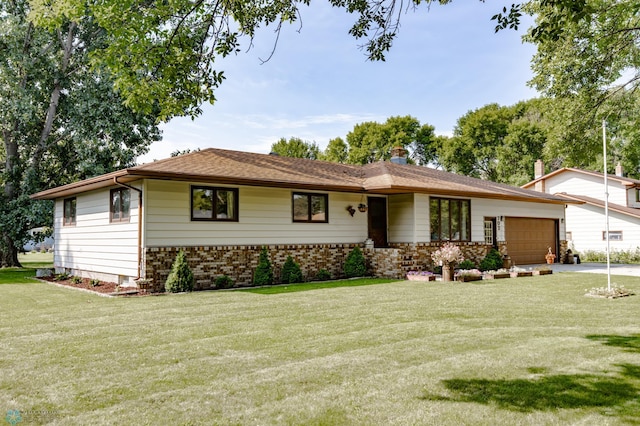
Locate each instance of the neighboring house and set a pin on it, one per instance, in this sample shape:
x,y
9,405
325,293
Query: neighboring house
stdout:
x,y
586,223
34,244
222,206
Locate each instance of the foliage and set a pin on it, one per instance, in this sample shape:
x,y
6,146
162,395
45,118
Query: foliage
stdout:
x,y
371,141
323,275
94,282
263,275
497,143
61,120
61,277
615,256
180,278
355,264
472,272
223,281
492,261
336,151
291,272
296,148
467,264
76,279
611,293
449,253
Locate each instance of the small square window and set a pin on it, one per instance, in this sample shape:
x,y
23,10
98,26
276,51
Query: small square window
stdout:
x,y
309,207
69,214
120,205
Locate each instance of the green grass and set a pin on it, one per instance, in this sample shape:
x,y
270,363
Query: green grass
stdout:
x,y
292,288
36,260
25,275
526,351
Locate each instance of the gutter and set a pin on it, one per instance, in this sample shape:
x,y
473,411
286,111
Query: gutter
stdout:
x,y
139,191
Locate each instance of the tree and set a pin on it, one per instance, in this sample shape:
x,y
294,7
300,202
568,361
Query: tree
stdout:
x,y
296,148
167,60
371,141
61,120
337,151
498,143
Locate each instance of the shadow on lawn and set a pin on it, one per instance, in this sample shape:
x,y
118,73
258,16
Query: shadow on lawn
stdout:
x,y
616,395
628,343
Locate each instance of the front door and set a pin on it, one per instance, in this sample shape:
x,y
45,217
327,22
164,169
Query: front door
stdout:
x,y
378,220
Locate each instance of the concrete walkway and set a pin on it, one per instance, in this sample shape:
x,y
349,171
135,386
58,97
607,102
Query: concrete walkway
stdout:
x,y
596,268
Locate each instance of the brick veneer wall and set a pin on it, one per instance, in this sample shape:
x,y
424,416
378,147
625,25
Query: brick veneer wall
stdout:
x,y
239,262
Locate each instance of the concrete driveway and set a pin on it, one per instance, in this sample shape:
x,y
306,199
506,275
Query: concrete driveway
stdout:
x,y
598,268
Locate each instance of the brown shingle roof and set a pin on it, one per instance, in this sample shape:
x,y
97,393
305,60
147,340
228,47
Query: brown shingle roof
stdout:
x,y
245,168
629,211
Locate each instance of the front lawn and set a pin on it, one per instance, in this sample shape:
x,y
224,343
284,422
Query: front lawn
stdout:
x,y
526,351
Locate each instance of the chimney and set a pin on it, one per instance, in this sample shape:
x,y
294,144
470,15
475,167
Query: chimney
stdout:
x,y
538,172
538,169
619,170
398,155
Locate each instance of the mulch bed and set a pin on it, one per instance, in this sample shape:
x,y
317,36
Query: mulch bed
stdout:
x,y
105,288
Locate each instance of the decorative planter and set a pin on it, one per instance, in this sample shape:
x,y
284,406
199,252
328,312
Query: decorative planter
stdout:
x,y
467,278
545,272
421,277
447,273
496,276
521,274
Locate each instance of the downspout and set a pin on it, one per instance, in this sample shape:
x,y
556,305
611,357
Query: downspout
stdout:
x,y
139,191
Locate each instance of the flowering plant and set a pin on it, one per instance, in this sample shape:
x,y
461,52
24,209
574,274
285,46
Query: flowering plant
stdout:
x,y
468,273
448,253
421,273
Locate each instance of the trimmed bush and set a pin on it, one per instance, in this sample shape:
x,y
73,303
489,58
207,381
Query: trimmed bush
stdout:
x,y
180,278
467,264
355,265
223,281
291,272
323,275
492,261
263,274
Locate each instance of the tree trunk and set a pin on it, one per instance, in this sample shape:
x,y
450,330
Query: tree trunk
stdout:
x,y
9,253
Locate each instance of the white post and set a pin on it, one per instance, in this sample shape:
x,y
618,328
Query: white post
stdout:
x,y
606,202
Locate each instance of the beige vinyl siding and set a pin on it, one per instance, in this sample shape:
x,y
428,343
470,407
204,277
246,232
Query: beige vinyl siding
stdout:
x,y
591,186
423,225
481,208
93,243
632,198
401,218
587,222
264,218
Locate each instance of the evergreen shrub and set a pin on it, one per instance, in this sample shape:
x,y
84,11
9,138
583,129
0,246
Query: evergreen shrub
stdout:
x,y
355,265
263,274
291,272
492,261
180,278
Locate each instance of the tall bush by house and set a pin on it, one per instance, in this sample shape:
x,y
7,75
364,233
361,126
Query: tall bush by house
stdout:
x,y
355,265
263,274
180,278
492,261
291,272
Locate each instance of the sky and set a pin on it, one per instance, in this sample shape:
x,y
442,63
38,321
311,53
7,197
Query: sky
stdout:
x,y
445,62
